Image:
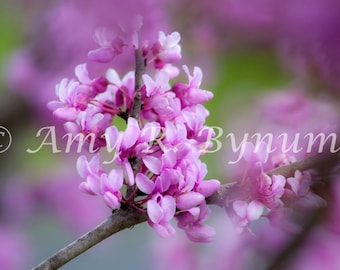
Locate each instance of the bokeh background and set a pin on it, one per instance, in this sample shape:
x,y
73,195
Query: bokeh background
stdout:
x,y
247,50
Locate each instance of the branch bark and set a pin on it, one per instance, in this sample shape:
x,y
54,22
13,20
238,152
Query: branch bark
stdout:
x,y
139,71
126,218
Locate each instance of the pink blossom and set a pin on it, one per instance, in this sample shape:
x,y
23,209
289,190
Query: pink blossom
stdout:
x,y
194,118
158,153
161,209
208,187
271,189
110,188
92,125
91,171
99,183
282,218
191,222
158,86
122,143
191,94
160,102
110,46
247,212
120,91
189,200
258,154
167,49
97,85
299,192
73,99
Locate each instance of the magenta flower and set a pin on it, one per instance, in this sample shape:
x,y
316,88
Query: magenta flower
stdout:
x,y
110,188
99,183
192,223
189,200
271,189
73,99
120,92
160,102
122,143
157,155
246,212
256,154
110,46
191,94
161,209
92,172
92,125
299,192
166,50
97,85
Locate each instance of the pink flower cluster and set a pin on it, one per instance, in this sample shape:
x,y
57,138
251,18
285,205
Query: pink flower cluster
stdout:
x,y
157,167
273,196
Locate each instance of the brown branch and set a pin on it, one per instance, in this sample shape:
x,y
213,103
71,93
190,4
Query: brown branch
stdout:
x,y
126,218
139,71
137,103
118,221
317,162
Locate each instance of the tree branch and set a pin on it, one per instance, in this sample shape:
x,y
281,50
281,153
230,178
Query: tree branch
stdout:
x,y
137,103
139,71
118,221
317,162
126,218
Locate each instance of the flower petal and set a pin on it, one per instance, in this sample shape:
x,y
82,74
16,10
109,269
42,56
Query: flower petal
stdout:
x,y
144,183
189,200
154,211
153,164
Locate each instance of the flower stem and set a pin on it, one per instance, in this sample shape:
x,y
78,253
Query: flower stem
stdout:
x,y
139,71
137,103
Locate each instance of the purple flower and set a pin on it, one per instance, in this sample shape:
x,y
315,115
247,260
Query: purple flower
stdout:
x,y
110,46
246,212
122,142
73,99
299,194
92,125
271,189
92,172
99,183
166,50
158,86
120,92
161,209
158,153
191,222
110,188
97,85
191,94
